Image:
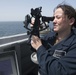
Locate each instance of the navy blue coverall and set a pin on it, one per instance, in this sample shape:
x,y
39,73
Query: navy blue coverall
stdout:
x,y
59,59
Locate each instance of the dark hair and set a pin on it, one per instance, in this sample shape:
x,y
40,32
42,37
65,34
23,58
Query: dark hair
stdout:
x,y
69,11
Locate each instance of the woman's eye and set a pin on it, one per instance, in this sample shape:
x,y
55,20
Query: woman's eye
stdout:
x,y
58,17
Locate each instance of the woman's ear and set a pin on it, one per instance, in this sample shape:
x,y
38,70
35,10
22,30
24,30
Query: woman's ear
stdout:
x,y
72,20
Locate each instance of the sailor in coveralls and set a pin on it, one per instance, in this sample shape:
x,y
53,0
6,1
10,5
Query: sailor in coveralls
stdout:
x,y
56,52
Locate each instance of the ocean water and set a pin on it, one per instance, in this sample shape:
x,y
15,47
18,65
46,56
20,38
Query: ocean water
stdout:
x,y
11,28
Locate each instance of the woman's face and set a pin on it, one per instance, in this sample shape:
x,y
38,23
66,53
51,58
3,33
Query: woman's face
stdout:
x,y
61,22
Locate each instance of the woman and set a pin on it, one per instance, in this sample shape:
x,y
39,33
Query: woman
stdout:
x,y
58,55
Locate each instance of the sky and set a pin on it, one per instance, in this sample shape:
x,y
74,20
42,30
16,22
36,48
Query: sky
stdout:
x,y
16,10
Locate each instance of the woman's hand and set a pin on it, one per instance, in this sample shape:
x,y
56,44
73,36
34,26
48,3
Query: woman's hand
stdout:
x,y
35,42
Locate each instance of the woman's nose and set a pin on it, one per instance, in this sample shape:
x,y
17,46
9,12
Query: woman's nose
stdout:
x,y
54,21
